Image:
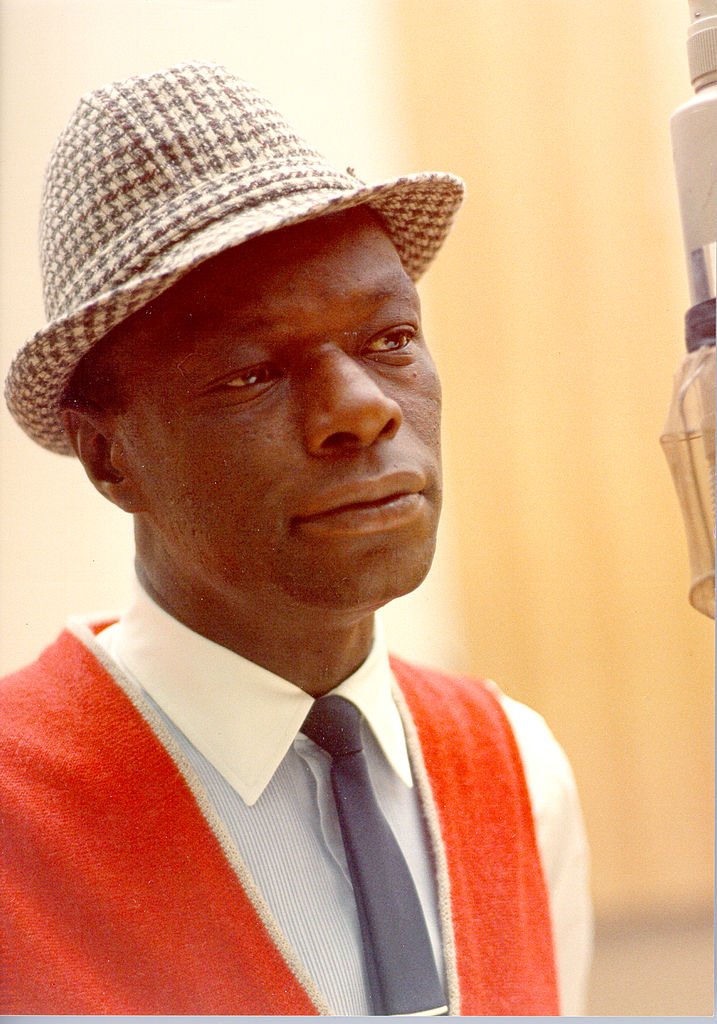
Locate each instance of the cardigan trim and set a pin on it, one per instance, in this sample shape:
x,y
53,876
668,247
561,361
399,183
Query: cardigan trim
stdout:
x,y
443,882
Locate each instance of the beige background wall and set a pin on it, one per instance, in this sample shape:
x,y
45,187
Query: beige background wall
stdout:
x,y
555,314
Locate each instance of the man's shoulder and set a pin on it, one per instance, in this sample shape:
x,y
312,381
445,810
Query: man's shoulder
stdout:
x,y
49,702
22,688
61,658
442,690
466,708
72,736
476,708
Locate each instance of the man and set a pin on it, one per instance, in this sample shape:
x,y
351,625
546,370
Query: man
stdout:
x,y
234,352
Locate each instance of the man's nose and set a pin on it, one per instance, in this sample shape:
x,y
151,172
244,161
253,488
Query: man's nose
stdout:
x,y
346,407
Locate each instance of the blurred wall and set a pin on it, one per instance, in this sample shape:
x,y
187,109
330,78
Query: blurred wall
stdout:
x,y
555,313
558,309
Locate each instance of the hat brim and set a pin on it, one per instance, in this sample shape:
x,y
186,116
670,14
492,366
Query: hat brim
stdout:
x,y
417,211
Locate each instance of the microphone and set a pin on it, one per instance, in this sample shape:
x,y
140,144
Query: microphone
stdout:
x,y
688,438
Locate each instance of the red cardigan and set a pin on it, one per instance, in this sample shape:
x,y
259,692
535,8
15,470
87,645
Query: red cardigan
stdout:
x,y
117,897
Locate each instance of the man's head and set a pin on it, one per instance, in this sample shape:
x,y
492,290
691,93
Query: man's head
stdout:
x,y
272,421
234,327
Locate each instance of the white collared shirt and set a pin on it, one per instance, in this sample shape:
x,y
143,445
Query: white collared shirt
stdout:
x,y
245,718
238,725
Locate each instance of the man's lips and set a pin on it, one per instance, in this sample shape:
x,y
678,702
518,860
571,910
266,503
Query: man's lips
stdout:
x,y
363,492
367,506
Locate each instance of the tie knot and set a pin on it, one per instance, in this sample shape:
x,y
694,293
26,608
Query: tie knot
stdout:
x,y
334,724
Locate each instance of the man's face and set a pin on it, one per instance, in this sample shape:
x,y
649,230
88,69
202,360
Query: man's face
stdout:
x,y
281,425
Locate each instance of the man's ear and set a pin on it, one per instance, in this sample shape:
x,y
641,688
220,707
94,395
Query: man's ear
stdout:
x,y
102,454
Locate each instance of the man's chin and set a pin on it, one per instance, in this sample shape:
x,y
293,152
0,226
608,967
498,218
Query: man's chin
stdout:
x,y
365,583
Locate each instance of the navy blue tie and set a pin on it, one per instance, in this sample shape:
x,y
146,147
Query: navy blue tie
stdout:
x,y
399,959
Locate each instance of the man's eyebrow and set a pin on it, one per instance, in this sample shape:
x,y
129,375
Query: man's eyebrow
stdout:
x,y
383,293
205,316
192,357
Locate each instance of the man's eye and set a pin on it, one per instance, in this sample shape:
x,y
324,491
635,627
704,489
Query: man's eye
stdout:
x,y
262,374
392,341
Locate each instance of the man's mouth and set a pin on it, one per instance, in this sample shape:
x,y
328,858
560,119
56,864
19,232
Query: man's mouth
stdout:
x,y
368,506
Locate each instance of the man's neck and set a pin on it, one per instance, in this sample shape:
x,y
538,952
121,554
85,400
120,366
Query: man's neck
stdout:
x,y
314,650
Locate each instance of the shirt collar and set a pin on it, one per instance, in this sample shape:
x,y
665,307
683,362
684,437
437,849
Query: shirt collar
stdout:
x,y
240,716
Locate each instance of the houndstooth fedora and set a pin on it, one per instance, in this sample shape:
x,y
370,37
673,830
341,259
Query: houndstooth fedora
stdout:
x,y
155,174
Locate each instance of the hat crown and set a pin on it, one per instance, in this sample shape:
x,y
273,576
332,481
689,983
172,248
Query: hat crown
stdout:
x,y
142,162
